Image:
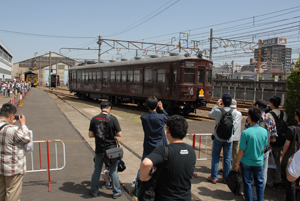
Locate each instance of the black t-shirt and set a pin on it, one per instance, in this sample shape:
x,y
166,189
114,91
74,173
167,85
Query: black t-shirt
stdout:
x,y
103,137
175,180
289,135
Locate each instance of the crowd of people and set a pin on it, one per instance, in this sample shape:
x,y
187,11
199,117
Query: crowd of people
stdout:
x,y
13,87
265,137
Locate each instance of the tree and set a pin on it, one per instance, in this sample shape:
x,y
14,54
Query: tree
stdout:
x,y
292,101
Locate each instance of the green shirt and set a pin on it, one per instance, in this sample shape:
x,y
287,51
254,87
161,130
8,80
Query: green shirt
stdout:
x,y
253,141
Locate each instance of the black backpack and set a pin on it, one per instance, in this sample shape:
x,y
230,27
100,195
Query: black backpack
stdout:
x,y
225,127
281,129
265,125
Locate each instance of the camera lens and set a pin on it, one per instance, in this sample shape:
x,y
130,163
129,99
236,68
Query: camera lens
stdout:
x,y
17,117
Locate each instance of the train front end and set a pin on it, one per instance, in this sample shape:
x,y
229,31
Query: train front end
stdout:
x,y
195,84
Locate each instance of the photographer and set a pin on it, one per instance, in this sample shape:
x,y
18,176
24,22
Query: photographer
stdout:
x,y
12,157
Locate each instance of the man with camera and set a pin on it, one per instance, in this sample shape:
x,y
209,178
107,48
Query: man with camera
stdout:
x,y
104,130
12,157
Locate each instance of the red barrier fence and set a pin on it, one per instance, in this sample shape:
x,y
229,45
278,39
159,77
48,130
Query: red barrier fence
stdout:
x,y
49,169
200,142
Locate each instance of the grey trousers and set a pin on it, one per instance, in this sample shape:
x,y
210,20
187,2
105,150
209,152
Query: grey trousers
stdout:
x,y
274,175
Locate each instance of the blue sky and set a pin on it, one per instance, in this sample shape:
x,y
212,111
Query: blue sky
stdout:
x,y
92,18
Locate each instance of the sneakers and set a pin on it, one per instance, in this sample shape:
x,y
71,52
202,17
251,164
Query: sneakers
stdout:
x,y
116,196
214,181
106,185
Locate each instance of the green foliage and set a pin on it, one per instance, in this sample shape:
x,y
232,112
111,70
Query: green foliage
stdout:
x,y
292,101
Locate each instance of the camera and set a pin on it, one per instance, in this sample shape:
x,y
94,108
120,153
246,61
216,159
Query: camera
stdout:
x,y
17,117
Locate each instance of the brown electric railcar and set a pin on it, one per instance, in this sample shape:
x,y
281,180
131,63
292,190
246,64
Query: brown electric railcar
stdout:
x,y
181,82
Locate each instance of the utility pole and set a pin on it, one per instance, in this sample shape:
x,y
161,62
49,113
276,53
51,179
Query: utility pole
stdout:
x,y
99,43
50,70
259,59
40,71
56,77
210,46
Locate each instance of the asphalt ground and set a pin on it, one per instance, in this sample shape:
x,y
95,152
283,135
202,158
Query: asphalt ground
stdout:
x,y
51,118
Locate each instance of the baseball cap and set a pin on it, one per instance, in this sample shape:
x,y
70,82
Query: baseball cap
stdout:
x,y
227,96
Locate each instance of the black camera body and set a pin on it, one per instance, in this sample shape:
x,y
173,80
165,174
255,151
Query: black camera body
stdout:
x,y
17,116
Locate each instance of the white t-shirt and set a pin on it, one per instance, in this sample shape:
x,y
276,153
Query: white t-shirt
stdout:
x,y
294,169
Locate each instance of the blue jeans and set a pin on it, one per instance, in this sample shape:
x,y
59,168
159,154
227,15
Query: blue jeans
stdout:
x,y
265,172
216,151
257,172
113,167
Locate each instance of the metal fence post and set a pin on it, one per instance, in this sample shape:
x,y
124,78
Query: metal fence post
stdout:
x,y
254,96
245,95
221,92
234,92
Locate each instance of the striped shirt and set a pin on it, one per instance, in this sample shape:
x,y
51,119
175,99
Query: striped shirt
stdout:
x,y
12,153
272,125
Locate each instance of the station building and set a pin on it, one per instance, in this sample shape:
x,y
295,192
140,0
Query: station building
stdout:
x,y
40,66
6,62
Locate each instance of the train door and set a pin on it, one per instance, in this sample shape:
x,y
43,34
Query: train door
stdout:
x,y
173,80
148,81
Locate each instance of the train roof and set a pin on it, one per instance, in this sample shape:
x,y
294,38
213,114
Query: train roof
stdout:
x,y
140,61
29,72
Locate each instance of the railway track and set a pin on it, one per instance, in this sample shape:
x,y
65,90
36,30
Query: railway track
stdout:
x,y
127,106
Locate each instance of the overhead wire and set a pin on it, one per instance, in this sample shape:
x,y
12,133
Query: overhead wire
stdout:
x,y
45,35
145,20
210,26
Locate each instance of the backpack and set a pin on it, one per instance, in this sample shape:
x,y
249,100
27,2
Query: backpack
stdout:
x,y
281,128
225,127
265,125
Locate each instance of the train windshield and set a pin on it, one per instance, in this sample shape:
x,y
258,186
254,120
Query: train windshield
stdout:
x,y
200,76
189,75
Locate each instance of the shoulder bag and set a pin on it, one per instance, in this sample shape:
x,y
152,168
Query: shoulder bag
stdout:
x,y
147,189
113,154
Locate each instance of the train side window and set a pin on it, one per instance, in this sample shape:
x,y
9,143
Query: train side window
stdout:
x,y
83,75
86,76
174,75
105,75
94,76
189,75
130,76
136,76
90,76
208,76
200,76
124,76
118,76
98,75
79,76
161,75
148,75
112,76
